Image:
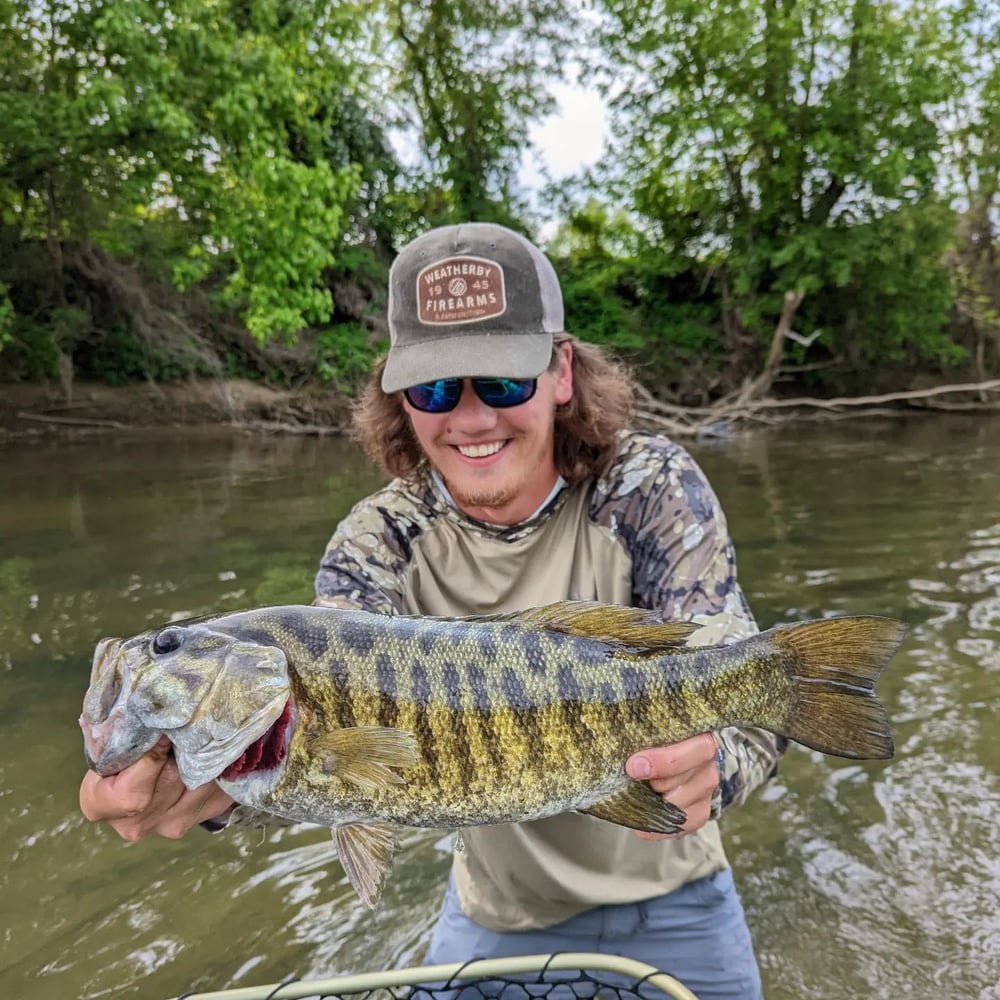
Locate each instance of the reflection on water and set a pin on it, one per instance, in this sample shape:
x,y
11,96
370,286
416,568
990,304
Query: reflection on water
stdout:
x,y
859,879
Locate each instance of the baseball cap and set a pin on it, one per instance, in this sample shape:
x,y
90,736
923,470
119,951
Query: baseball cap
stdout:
x,y
467,301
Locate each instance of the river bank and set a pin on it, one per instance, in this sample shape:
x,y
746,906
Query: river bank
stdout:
x,y
39,409
28,410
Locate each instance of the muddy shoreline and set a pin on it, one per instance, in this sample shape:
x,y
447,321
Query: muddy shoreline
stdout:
x,y
31,410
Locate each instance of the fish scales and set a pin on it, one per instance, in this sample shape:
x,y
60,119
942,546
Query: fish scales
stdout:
x,y
358,720
542,752
533,717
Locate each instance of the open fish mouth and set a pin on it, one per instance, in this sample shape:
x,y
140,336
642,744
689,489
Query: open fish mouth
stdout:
x,y
112,738
266,751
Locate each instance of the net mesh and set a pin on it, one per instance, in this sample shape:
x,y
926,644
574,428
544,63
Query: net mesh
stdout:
x,y
552,977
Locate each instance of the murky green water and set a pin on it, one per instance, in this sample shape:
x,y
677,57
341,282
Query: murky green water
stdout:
x,y
875,880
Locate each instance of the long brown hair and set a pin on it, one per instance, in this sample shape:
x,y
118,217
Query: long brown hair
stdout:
x,y
586,428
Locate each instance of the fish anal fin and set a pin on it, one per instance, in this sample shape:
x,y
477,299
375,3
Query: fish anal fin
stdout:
x,y
637,806
369,756
365,852
640,629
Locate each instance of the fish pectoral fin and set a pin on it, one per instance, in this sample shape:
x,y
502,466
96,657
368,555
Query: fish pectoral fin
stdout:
x,y
365,853
639,807
366,755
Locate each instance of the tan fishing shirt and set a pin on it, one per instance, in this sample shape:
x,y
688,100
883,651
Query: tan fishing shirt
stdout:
x,y
649,533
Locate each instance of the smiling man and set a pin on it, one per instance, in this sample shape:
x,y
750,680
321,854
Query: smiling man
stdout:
x,y
494,447
516,483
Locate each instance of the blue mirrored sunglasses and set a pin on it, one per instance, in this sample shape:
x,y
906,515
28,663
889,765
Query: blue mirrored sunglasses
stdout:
x,y
443,394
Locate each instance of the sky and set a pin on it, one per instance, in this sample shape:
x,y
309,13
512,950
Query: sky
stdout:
x,y
570,138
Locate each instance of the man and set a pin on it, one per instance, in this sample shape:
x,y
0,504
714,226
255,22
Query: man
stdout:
x,y
517,484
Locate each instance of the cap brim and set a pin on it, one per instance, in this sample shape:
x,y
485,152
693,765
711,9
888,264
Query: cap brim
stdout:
x,y
485,355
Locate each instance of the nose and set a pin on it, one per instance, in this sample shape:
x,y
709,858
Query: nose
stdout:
x,y
472,414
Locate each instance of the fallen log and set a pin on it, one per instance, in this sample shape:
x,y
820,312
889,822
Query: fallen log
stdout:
x,y
73,421
728,413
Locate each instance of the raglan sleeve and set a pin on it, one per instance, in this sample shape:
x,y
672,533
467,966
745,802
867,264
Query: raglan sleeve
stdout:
x,y
684,564
364,563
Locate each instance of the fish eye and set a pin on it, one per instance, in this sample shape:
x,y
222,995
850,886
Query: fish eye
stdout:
x,y
167,641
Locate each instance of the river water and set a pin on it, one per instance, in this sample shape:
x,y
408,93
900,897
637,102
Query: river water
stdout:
x,y
859,880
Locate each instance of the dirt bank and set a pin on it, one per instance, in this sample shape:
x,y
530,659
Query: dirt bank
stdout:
x,y
27,410
238,404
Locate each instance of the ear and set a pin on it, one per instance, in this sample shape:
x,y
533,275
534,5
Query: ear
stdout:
x,y
564,375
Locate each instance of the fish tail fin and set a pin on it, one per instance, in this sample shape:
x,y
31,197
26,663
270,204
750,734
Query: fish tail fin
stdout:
x,y
832,666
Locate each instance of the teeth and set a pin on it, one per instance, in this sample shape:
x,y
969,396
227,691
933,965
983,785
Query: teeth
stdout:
x,y
480,450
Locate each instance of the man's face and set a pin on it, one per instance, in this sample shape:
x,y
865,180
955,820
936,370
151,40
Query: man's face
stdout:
x,y
498,464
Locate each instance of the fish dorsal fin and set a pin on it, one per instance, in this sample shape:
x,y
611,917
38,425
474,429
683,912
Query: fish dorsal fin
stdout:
x,y
365,852
368,756
637,629
637,806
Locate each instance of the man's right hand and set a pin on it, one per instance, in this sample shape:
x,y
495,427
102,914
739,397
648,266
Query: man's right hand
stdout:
x,y
149,798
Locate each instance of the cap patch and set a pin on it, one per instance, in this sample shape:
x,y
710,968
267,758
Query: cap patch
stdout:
x,y
460,290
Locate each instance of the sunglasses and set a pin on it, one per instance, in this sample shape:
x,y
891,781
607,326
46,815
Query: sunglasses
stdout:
x,y
443,394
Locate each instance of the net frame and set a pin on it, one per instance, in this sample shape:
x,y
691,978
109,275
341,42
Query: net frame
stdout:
x,y
448,981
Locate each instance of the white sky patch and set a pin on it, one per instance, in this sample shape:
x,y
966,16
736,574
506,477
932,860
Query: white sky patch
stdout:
x,y
567,140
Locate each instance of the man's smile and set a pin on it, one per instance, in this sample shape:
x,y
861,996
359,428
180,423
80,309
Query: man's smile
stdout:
x,y
480,450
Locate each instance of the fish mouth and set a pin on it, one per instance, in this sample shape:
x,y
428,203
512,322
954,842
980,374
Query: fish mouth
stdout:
x,y
113,739
266,752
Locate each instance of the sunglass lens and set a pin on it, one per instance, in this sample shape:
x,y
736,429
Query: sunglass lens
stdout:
x,y
501,392
439,396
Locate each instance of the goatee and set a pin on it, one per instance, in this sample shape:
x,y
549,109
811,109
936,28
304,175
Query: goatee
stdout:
x,y
486,499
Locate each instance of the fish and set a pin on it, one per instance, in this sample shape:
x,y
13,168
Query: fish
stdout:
x,y
366,722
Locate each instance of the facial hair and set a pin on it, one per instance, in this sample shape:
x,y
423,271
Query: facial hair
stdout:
x,y
485,499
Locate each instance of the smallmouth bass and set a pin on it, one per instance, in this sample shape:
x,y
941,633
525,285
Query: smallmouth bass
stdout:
x,y
361,721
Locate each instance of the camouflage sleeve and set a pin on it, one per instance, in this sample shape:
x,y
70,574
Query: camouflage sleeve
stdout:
x,y
365,561
684,563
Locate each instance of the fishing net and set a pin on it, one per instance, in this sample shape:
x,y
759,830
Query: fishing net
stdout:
x,y
577,976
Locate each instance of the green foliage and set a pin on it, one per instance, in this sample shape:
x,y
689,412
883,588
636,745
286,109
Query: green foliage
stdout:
x,y
472,76
217,114
598,277
6,316
848,149
764,143
892,299
974,180
343,354
121,357
31,354
34,348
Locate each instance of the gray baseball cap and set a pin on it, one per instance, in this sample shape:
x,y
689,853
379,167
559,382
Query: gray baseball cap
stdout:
x,y
471,300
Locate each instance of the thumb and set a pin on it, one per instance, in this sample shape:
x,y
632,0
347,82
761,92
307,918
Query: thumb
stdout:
x,y
146,769
127,793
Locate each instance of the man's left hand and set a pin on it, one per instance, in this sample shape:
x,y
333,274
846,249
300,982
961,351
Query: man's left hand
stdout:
x,y
685,773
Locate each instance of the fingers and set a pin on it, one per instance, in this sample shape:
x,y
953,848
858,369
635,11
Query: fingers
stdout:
x,y
149,798
666,768
685,773
191,809
127,793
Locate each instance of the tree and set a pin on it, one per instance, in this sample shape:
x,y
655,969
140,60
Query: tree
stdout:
x,y
471,78
116,114
973,118
784,145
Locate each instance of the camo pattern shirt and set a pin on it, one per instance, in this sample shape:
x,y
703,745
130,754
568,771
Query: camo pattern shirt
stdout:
x,y
659,509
